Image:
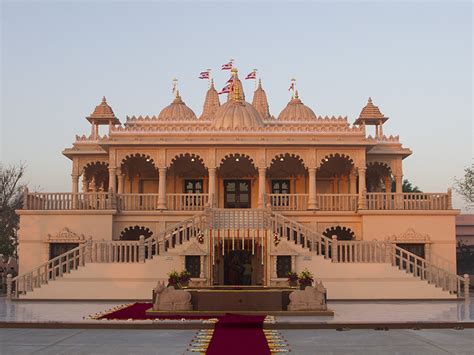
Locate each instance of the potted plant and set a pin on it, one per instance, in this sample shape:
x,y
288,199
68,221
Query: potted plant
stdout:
x,y
306,278
173,279
292,279
184,278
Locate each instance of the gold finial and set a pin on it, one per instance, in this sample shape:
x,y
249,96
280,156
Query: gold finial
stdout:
x,y
235,86
104,100
296,94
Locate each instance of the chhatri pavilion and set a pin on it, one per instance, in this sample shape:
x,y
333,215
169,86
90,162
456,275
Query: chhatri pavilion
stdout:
x,y
234,187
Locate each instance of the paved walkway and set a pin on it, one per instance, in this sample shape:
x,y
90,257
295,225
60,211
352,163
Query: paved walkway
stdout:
x,y
116,342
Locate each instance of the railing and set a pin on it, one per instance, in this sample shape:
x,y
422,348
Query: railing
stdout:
x,y
337,202
245,218
137,202
408,201
187,202
360,251
419,267
68,201
115,251
289,202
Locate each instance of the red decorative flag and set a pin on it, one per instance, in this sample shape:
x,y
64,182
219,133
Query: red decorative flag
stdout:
x,y
231,80
225,89
227,66
252,75
292,86
204,75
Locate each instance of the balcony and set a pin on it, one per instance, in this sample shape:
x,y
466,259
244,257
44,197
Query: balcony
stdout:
x,y
197,202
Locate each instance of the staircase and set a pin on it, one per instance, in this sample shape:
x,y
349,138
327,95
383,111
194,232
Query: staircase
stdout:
x,y
129,269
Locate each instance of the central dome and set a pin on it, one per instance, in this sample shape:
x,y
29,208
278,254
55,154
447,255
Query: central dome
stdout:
x,y
296,111
177,111
237,114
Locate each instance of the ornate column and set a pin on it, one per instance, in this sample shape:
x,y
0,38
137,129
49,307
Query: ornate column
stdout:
x,y
312,204
398,184
261,187
388,184
162,189
274,267
85,185
201,267
353,182
112,178
121,183
212,187
75,189
362,188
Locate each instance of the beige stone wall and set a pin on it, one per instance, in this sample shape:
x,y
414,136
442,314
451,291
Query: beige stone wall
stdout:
x,y
38,229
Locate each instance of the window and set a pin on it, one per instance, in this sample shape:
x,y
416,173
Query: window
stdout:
x,y
280,186
283,265
193,265
193,186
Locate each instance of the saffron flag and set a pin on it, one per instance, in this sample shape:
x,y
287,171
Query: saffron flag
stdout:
x,y
227,66
204,75
252,75
225,89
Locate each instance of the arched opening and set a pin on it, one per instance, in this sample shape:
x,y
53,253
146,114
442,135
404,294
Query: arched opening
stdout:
x,y
134,233
287,176
189,179
342,233
95,177
334,175
237,176
139,174
378,177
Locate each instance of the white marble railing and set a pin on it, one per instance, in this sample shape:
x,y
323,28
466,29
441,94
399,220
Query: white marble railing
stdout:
x,y
137,202
68,201
337,202
186,202
408,201
288,202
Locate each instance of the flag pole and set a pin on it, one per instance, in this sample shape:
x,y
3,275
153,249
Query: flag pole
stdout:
x,y
209,79
175,84
255,70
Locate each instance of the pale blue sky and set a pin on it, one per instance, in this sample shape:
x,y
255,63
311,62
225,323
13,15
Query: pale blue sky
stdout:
x,y
414,59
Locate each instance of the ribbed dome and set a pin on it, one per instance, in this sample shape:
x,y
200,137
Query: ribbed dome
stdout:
x,y
177,111
237,114
296,111
211,103
260,102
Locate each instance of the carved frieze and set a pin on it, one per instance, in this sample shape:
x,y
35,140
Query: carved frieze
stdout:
x,y
409,236
65,235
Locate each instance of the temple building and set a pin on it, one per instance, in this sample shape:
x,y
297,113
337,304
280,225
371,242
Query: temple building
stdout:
x,y
235,187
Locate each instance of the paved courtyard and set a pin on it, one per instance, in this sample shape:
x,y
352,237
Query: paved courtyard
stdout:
x,y
80,341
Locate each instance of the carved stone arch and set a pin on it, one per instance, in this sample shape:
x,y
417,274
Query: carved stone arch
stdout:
x,y
134,232
238,156
296,156
344,156
222,155
171,159
340,231
147,157
381,164
91,164
83,164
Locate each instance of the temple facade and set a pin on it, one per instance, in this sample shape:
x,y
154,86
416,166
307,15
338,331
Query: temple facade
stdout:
x,y
237,196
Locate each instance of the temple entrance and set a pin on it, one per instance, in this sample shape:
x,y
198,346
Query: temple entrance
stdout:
x,y
239,266
237,194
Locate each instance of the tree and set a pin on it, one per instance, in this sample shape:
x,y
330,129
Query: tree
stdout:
x,y
407,186
11,199
465,185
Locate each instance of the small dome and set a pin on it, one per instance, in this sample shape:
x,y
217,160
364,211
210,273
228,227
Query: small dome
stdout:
x,y
103,110
177,111
370,111
237,114
296,111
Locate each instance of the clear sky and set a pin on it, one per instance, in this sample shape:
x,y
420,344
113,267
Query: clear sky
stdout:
x,y
414,59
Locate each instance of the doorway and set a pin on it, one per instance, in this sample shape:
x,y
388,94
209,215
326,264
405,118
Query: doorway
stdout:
x,y
237,194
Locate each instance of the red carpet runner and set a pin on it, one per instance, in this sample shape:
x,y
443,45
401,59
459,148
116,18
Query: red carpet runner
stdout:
x,y
137,311
238,334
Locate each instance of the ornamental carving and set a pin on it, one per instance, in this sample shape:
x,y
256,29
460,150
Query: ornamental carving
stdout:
x,y
409,236
65,235
193,249
282,248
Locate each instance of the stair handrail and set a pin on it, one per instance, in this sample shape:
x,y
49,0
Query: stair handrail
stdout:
x,y
425,270
49,270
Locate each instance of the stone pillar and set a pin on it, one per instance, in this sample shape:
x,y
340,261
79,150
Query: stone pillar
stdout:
x,y
293,263
312,203
261,187
388,184
10,288
141,249
362,187
201,267
162,189
428,252
380,129
398,184
335,251
212,187
121,183
466,287
75,189
353,182
274,267
112,179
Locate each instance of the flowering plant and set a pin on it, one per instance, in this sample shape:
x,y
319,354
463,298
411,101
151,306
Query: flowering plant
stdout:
x,y
292,276
306,278
184,276
173,278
